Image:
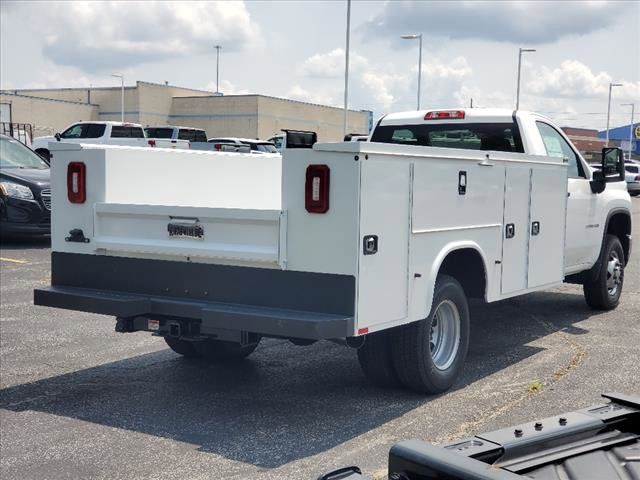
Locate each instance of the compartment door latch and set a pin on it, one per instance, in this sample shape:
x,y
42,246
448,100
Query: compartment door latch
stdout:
x,y
370,244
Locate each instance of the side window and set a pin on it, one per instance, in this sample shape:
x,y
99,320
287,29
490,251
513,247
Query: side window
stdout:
x,y
184,134
94,130
74,131
199,136
126,132
557,146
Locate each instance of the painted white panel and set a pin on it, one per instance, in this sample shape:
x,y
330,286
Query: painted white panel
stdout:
x,y
384,211
322,242
548,206
437,203
516,211
148,176
245,235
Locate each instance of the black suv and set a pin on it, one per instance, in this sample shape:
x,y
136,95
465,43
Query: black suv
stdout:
x,y
25,190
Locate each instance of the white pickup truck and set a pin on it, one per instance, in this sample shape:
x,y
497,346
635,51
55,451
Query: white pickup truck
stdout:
x,y
105,133
378,244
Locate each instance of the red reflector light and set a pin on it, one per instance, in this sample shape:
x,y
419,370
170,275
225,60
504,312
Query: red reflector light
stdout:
x,y
445,115
76,185
362,331
316,189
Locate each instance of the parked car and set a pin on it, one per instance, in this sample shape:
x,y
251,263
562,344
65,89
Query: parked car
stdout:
x,y
196,137
632,177
256,146
25,190
108,133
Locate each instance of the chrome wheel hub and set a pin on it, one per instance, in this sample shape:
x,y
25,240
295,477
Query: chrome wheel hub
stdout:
x,y
614,274
444,337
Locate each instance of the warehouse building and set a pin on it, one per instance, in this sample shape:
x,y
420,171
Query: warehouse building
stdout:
x,y
250,116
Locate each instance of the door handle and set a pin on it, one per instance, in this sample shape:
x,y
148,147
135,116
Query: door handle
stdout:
x,y
510,230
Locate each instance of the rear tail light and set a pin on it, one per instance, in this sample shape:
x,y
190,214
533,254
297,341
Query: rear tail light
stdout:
x,y
637,178
152,143
316,189
217,146
445,115
76,185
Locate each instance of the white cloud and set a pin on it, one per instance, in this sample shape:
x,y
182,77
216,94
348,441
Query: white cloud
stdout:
x,y
227,88
297,92
331,64
379,86
573,79
521,21
97,36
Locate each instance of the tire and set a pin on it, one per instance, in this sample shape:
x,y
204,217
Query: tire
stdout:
x,y
603,292
375,360
182,347
220,351
421,364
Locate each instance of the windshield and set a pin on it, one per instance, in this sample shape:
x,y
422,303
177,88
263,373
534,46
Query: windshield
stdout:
x,y
13,154
159,132
84,130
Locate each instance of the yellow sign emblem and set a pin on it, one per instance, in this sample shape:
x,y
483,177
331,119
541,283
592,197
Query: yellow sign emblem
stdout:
x,y
637,132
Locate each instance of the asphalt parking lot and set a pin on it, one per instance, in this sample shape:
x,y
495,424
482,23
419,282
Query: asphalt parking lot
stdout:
x,y
78,400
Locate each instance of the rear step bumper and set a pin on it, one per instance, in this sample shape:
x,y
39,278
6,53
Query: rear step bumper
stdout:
x,y
263,320
266,301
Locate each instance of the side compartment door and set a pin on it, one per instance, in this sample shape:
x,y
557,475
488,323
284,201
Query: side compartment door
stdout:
x,y
384,225
515,231
547,226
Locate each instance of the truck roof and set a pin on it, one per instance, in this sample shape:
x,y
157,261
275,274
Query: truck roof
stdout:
x,y
180,127
469,115
109,122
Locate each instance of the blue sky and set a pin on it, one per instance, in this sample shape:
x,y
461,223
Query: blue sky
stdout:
x,y
296,50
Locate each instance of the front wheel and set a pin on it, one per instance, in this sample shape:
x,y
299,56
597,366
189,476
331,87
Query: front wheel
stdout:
x,y
428,355
603,292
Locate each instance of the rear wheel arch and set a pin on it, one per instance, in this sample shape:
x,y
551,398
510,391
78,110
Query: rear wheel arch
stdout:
x,y
466,263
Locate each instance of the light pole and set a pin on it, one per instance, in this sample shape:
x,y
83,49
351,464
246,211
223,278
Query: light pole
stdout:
x,y
633,108
520,52
346,68
121,77
611,85
217,47
419,37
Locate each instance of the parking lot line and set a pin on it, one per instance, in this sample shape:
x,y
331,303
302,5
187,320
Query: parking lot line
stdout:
x,y
12,260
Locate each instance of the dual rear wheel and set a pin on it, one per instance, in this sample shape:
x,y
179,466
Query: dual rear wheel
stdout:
x,y
426,356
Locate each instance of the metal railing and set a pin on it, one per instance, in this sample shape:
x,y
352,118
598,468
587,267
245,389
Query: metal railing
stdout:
x,y
23,132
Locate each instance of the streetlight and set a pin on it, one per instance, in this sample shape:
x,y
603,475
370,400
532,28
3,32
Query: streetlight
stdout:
x,y
419,37
633,108
217,47
520,52
611,85
121,77
346,68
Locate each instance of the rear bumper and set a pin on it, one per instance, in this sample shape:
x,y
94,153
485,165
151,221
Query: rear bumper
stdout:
x,y
266,301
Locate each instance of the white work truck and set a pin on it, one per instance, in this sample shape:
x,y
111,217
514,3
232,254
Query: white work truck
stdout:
x,y
105,133
378,244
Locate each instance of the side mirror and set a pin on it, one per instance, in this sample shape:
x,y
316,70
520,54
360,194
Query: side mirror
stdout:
x,y
598,183
613,164
58,137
